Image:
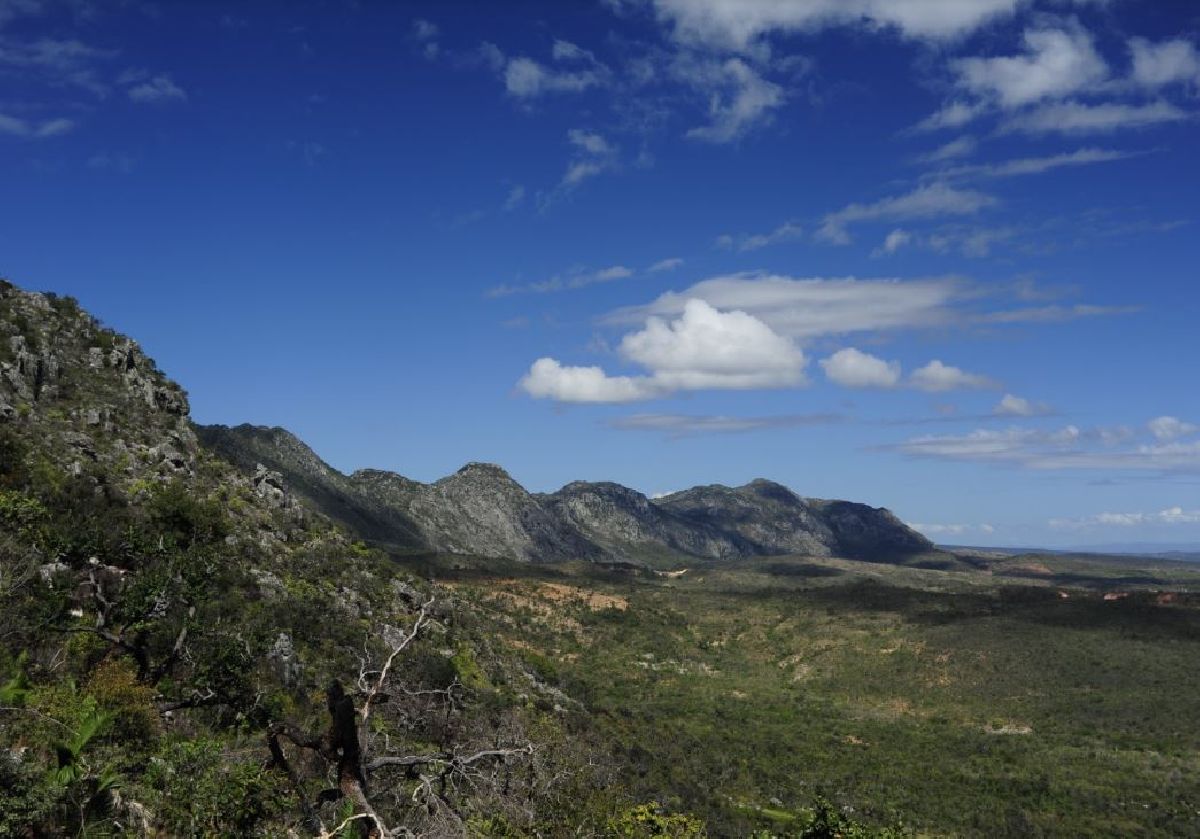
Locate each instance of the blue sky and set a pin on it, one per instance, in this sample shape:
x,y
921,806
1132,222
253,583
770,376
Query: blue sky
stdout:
x,y
935,257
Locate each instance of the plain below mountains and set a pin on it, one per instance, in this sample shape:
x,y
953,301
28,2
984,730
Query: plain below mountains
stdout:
x,y
481,511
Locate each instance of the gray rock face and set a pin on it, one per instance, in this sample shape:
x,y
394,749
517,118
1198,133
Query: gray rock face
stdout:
x,y
481,511
69,383
627,523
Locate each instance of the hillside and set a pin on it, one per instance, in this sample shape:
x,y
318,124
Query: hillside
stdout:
x,y
482,511
189,648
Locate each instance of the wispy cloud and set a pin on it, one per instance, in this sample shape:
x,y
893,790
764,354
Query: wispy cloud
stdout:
x,y
1064,449
686,425
669,264
571,70
569,281
157,91
1034,165
929,201
789,231
1082,118
1169,516
36,130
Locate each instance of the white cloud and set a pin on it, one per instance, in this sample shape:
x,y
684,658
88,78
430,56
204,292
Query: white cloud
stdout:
x,y
895,240
1171,515
425,33
1016,406
17,127
1167,62
547,379
589,141
850,367
569,281
525,78
665,265
1056,63
156,91
516,196
702,349
962,147
951,115
1080,118
1068,448
708,348
739,98
808,308
575,70
937,377
951,529
786,232
681,425
1035,165
1171,428
593,156
739,24
929,201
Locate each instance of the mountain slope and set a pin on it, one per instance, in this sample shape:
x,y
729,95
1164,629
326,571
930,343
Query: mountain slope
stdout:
x,y
482,511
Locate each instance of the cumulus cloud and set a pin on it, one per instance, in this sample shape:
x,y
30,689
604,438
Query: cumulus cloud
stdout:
x,y
547,379
1056,63
1170,428
929,201
936,377
702,349
807,308
850,367
157,91
708,348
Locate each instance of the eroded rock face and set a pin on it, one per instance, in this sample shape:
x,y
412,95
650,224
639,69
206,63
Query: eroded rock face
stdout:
x,y
68,380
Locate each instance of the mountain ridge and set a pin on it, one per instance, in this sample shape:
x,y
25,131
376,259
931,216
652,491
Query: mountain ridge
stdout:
x,y
481,510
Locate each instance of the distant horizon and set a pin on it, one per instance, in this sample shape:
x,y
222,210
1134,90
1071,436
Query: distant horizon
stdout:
x,y
939,262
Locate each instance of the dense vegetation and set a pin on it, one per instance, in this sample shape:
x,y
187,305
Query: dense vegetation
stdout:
x,y
958,702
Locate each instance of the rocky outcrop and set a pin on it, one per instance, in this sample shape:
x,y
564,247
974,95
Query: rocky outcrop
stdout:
x,y
481,511
628,524
90,397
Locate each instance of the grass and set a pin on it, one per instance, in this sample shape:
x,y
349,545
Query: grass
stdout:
x,y
974,702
